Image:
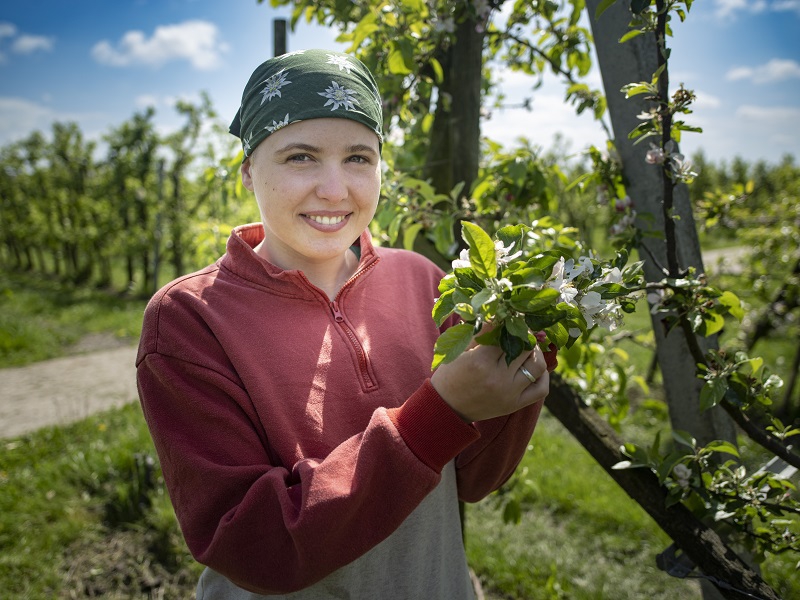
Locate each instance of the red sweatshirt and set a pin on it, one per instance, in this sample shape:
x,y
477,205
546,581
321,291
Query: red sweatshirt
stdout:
x,y
296,433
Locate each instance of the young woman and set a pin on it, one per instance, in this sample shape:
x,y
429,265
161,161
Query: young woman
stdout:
x,y
307,447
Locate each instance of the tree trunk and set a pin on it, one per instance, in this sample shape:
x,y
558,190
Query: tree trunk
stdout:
x,y
455,137
620,64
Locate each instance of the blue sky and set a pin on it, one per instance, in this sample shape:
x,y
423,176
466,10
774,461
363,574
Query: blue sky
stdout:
x,y
96,62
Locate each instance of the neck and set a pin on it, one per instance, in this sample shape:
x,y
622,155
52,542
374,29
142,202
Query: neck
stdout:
x,y
327,277
331,282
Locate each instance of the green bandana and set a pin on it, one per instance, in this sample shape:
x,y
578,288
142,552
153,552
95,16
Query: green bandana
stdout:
x,y
302,85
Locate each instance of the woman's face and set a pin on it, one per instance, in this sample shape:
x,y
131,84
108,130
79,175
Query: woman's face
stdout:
x,y
317,184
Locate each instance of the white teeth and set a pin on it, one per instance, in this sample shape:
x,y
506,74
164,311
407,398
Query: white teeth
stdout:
x,y
326,220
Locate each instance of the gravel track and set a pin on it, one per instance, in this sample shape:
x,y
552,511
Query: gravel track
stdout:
x,y
62,390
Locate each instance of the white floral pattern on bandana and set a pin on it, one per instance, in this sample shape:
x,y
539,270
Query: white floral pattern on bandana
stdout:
x,y
274,85
338,95
341,62
278,124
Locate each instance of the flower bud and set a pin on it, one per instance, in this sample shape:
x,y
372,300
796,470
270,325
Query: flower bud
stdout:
x,y
655,156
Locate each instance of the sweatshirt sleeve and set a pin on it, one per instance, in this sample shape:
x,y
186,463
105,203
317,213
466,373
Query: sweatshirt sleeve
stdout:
x,y
276,529
489,461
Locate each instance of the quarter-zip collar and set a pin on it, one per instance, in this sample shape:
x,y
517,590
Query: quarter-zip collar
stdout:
x,y
241,259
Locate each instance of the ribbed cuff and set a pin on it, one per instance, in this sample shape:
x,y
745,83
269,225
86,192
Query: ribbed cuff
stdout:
x,y
431,429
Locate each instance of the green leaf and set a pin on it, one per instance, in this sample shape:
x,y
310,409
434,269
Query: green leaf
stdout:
x,y
712,322
713,391
490,338
517,326
481,298
530,300
512,512
511,345
451,344
634,89
685,438
542,322
399,58
443,307
557,334
364,29
448,282
437,70
465,311
630,35
731,301
443,235
755,364
511,235
722,446
481,250
410,234
603,7
467,278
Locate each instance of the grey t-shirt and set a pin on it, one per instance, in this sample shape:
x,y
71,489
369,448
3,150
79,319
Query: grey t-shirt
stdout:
x,y
423,558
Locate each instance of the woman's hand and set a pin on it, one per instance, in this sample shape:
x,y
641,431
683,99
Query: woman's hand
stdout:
x,y
478,385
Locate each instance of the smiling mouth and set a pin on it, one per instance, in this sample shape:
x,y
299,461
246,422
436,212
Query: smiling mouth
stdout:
x,y
327,220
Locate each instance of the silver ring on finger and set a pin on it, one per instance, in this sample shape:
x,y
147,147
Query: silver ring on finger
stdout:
x,y
527,374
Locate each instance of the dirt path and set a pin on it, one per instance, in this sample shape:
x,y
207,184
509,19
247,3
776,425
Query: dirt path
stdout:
x,y
100,375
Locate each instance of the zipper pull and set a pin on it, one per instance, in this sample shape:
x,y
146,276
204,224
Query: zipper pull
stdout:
x,y
337,314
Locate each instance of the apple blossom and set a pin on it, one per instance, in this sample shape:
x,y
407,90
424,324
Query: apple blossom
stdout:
x,y
655,156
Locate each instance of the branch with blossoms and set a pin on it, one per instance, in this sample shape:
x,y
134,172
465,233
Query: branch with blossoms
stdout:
x,y
723,491
532,286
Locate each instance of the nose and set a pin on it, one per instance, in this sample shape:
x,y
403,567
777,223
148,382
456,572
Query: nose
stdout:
x,y
332,184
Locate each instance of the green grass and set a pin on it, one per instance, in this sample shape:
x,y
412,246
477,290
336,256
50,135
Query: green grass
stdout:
x,y
69,494
580,536
41,317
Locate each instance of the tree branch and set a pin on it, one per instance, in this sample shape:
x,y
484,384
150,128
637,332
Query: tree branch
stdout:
x,y
759,435
699,542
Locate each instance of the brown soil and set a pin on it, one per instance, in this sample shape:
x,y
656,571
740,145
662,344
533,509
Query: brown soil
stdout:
x,y
121,566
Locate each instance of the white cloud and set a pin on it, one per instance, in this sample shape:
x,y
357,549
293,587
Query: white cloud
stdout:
x,y
146,100
704,100
18,117
730,9
727,9
786,6
775,70
195,41
7,29
769,114
26,44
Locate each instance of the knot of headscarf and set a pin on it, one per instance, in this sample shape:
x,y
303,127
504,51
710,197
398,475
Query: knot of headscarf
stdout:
x,y
302,85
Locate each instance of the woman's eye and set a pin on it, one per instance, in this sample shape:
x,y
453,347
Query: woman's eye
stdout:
x,y
299,158
358,159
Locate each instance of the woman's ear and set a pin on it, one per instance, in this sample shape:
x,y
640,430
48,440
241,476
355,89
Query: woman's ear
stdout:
x,y
247,175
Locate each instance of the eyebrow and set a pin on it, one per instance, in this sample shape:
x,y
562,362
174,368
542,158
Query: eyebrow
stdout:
x,y
298,146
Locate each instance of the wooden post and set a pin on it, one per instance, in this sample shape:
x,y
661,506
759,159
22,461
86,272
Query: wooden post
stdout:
x,y
278,37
